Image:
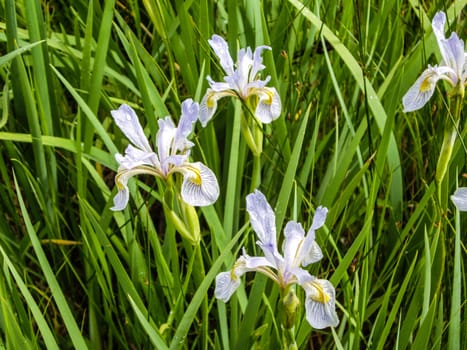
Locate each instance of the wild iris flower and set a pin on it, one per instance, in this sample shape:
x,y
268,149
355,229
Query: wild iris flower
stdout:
x,y
199,187
298,250
241,81
452,67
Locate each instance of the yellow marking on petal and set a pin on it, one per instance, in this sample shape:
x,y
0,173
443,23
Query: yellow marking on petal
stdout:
x,y
119,184
425,85
270,94
233,276
195,174
210,102
321,296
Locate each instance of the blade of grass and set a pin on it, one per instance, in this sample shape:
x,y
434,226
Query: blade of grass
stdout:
x,y
39,319
57,293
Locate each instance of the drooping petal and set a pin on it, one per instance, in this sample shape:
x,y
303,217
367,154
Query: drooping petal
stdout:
x,y
127,120
422,90
121,199
190,112
199,187
459,198
121,180
225,286
269,105
228,282
220,47
208,104
262,218
320,303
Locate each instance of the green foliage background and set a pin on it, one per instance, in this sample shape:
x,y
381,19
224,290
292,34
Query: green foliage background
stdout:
x,y
77,275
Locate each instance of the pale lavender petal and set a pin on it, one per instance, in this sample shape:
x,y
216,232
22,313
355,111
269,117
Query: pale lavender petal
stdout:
x,y
294,236
135,157
165,137
460,198
423,88
190,112
320,304
199,187
257,64
311,252
208,104
121,180
127,120
269,105
452,49
319,218
121,199
220,47
220,86
262,217
228,282
225,286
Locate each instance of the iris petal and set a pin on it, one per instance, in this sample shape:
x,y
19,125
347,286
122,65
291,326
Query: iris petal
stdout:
x,y
320,304
199,187
460,198
127,120
423,88
269,105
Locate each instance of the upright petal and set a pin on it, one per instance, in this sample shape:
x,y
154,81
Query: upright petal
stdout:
x,y
294,237
452,49
127,120
190,112
257,64
220,47
460,198
165,137
262,217
319,218
311,252
199,187
320,304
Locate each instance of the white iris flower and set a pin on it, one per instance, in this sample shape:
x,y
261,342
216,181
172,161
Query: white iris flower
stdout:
x,y
298,250
452,67
199,187
241,81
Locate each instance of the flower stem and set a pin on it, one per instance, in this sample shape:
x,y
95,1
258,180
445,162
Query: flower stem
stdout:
x,y
290,304
450,134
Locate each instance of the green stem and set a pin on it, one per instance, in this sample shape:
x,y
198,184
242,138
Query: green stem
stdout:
x,y
290,303
450,134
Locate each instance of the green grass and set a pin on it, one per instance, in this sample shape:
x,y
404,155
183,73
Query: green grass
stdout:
x,y
77,275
